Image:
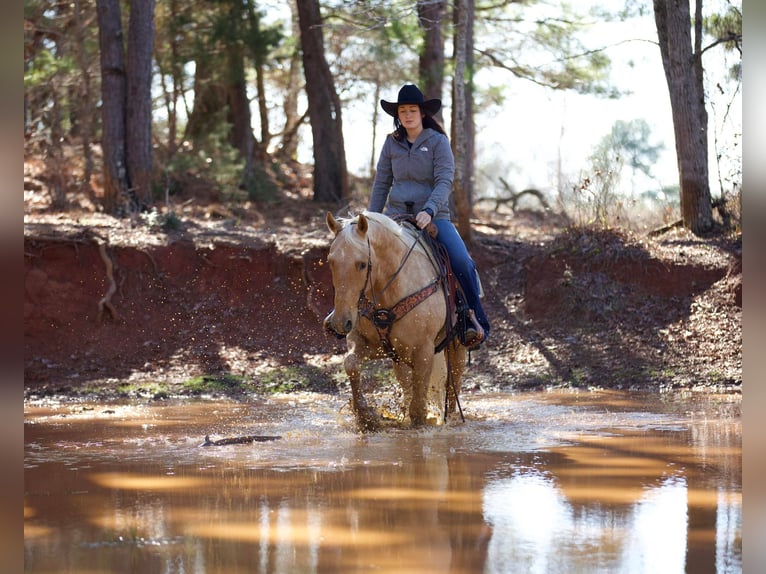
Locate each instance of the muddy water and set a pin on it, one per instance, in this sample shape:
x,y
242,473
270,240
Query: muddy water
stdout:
x,y
531,483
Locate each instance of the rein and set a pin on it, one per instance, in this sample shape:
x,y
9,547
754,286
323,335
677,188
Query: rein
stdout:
x,y
396,273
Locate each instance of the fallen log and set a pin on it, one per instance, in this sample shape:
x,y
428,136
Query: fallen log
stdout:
x,y
246,439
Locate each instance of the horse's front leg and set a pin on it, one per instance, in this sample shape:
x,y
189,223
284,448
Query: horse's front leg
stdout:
x,y
366,418
403,374
434,389
422,365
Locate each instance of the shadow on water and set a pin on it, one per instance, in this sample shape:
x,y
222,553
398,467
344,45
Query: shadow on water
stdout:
x,y
577,482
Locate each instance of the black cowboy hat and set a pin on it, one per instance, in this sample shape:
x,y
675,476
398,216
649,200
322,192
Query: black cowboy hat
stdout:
x,y
410,94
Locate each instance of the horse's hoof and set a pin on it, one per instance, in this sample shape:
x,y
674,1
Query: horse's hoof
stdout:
x,y
367,420
418,418
370,426
434,421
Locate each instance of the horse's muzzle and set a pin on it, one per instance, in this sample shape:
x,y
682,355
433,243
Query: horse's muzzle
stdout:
x,y
330,328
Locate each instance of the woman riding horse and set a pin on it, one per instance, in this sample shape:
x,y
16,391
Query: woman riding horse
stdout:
x,y
389,302
414,175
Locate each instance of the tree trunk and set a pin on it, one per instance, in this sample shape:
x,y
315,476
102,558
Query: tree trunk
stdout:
x,y
330,174
209,99
470,123
54,157
459,133
85,99
375,115
138,141
263,110
113,103
239,116
289,143
683,72
172,67
431,64
260,55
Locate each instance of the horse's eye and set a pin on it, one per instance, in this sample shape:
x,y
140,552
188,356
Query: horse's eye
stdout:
x,y
361,266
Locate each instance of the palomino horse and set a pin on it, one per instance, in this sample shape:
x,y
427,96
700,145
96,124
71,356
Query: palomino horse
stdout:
x,y
389,302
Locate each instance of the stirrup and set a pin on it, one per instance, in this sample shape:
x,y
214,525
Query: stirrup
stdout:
x,y
474,333
473,338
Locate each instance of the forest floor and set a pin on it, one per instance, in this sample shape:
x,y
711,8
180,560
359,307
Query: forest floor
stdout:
x,y
229,298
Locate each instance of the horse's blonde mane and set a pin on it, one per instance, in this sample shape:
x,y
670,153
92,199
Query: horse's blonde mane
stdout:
x,y
390,225
384,220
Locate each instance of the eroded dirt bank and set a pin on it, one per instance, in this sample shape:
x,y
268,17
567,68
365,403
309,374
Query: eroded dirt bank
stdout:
x,y
179,308
572,308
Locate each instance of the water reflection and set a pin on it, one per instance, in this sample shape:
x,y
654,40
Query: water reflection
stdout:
x,y
552,535
531,483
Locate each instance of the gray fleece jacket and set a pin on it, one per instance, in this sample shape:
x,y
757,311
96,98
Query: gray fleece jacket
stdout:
x,y
421,174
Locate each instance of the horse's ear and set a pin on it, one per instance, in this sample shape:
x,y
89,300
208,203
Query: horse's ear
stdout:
x,y
362,224
333,224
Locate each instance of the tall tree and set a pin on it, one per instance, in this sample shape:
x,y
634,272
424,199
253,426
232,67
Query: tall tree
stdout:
x,y
324,107
207,117
113,92
239,116
460,135
261,40
85,99
126,96
431,64
464,131
171,23
682,62
138,136
291,88
59,65
229,40
371,47
469,125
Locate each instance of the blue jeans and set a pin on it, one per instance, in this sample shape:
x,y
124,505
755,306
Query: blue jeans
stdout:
x,y
463,267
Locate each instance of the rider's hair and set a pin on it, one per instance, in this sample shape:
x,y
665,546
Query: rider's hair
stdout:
x,y
429,121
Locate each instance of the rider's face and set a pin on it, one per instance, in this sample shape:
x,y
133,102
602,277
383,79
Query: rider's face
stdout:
x,y
410,115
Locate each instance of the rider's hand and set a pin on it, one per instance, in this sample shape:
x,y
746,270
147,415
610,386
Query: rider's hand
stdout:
x,y
422,219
